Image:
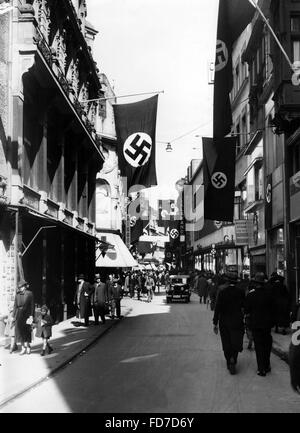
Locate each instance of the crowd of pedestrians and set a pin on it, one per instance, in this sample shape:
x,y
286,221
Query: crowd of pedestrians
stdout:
x,y
254,306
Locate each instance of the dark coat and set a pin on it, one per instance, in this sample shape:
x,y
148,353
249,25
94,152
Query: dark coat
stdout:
x,y
100,295
259,307
294,358
23,309
202,286
43,326
281,301
83,298
229,307
229,314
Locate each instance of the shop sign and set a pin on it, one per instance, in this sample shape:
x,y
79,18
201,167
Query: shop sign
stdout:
x,y
243,232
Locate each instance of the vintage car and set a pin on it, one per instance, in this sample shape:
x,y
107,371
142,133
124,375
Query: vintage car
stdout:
x,y
178,288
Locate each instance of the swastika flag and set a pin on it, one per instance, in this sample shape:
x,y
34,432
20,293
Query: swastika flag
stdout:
x,y
219,178
136,126
233,17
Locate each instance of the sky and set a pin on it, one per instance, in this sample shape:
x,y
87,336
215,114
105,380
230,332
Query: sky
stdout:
x,y
162,45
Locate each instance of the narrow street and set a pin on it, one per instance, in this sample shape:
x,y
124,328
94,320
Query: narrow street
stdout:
x,y
162,358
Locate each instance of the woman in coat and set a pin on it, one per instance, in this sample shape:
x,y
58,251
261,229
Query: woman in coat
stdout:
x,y
23,316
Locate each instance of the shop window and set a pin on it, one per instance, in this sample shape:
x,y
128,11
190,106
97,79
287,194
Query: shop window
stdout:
x,y
295,35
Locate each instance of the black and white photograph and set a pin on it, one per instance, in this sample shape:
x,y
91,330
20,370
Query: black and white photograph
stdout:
x,y
149,210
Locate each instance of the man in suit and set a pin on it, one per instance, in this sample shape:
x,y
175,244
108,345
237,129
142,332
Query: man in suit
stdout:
x,y
229,316
100,299
259,308
82,298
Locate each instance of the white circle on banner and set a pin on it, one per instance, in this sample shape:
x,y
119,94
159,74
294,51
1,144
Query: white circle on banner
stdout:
x,y
219,180
164,213
174,233
132,221
137,149
221,56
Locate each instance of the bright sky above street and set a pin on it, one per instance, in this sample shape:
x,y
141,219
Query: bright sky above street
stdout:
x,y
154,45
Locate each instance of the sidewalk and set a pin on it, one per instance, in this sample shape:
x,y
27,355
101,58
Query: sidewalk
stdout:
x,y
20,373
281,344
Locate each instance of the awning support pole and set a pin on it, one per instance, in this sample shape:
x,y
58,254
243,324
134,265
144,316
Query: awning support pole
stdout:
x,y
35,236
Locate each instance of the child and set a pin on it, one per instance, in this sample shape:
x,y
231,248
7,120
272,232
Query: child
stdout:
x,y
10,329
44,329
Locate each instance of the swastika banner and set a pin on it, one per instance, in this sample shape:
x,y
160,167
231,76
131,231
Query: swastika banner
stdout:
x,y
219,178
233,17
136,126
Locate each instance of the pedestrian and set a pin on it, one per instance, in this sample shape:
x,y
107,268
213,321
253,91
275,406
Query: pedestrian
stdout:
x,y
9,330
282,304
139,285
260,310
116,298
23,314
245,285
228,314
82,299
149,284
202,288
131,285
127,284
43,324
100,299
294,351
212,293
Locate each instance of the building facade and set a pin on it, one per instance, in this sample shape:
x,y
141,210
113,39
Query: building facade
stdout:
x,y
265,104
53,152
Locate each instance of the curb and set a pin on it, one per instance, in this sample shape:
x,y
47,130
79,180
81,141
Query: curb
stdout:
x,y
280,353
64,363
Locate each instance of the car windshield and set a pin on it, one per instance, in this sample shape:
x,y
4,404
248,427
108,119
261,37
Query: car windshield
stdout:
x,y
179,280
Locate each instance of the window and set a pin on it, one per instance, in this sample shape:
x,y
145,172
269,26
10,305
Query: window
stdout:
x,y
194,200
295,34
295,23
267,65
295,158
244,129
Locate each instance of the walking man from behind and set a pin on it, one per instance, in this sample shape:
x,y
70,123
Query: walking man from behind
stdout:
x,y
229,315
260,310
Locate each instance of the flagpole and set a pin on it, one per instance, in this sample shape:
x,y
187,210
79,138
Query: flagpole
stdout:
x,y
122,96
273,33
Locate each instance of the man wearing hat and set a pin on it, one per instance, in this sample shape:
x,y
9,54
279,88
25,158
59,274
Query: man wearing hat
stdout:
x,y
82,298
100,299
260,310
23,314
229,315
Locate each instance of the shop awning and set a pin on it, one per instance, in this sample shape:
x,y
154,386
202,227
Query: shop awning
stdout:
x,y
117,257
